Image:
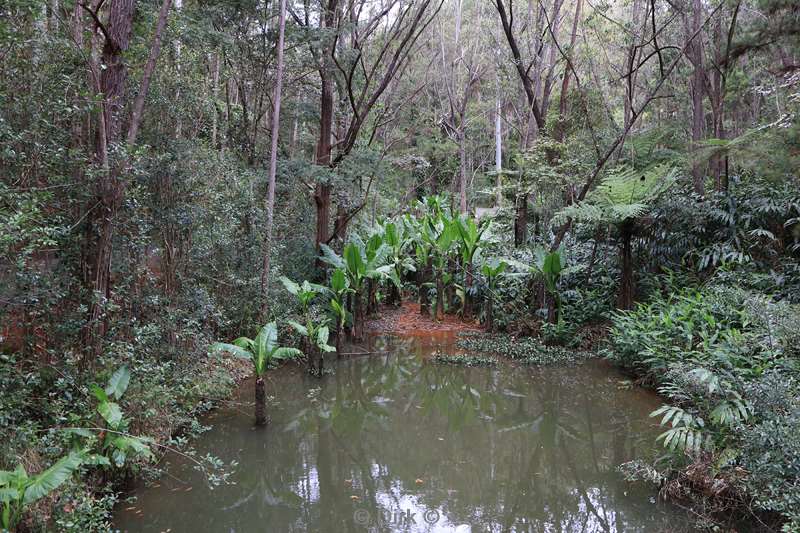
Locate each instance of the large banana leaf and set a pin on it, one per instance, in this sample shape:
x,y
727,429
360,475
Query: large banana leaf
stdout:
x,y
52,478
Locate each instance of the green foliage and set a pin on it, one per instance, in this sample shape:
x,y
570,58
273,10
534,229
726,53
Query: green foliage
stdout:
x,y
623,194
726,360
19,490
463,360
262,351
526,350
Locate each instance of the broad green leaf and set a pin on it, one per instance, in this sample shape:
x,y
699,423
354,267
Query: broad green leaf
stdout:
x,y
8,494
301,329
110,412
118,383
233,349
98,392
286,353
52,478
267,339
290,285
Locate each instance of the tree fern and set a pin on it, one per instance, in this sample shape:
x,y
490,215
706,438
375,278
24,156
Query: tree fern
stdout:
x,y
624,194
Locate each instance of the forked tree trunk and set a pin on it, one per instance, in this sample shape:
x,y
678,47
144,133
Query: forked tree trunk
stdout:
x,y
261,402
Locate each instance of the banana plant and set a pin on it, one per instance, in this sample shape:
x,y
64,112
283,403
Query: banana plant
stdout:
x,y
116,444
316,334
19,490
304,292
262,352
491,271
470,234
442,234
423,259
361,263
339,289
396,238
548,267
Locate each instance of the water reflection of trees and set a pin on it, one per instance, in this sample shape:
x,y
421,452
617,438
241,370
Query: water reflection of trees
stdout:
x,y
501,449
521,450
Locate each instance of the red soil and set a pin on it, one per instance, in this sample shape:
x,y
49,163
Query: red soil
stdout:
x,y
407,320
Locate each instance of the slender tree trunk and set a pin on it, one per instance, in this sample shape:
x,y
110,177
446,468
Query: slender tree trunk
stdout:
x,y
149,68
498,153
626,286
423,276
521,221
322,191
462,168
490,312
467,286
560,127
261,402
273,163
438,313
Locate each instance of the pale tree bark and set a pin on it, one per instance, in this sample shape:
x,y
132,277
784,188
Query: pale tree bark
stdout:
x,y
273,163
498,151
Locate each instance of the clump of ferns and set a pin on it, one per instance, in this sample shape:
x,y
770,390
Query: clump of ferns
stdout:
x,y
707,406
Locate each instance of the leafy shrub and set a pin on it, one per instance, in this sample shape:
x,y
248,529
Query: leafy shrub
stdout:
x,y
727,360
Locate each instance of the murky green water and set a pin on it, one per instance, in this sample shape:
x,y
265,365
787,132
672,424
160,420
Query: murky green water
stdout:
x,y
395,442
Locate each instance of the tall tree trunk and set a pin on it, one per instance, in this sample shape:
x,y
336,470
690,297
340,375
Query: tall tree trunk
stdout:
x,y
626,285
462,167
498,152
560,127
109,186
521,221
273,164
322,191
697,83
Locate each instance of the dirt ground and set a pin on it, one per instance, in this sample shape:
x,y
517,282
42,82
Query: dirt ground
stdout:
x,y
407,320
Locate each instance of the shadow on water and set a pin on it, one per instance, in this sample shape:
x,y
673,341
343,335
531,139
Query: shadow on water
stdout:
x,y
395,442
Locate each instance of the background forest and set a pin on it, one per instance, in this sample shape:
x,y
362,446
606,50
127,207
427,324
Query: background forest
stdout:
x,y
654,144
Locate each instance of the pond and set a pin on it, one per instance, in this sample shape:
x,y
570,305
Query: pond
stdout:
x,y
395,442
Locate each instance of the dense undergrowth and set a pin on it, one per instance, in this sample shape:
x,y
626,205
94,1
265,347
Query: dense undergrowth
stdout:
x,y
727,360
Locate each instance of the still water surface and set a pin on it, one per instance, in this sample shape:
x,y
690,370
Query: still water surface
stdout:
x,y
395,442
